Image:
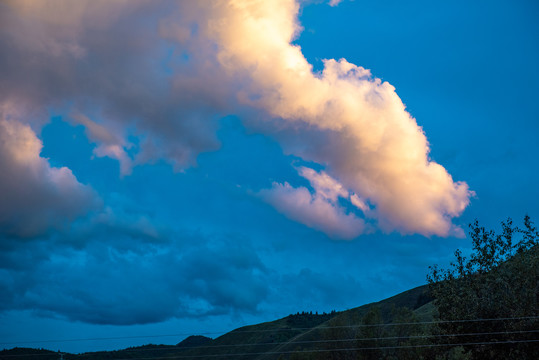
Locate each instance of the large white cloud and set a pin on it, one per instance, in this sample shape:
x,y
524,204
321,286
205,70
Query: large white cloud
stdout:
x,y
166,71
375,148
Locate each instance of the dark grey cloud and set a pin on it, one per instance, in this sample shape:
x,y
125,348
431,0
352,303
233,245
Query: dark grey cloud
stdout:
x,y
228,278
123,274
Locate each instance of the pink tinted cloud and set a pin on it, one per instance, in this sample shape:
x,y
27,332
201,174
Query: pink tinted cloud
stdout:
x,y
35,196
231,57
313,210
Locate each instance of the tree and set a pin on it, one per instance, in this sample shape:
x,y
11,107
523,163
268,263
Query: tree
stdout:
x,y
493,294
371,331
406,332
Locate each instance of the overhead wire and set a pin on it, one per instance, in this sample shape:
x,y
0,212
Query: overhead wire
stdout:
x,y
409,337
320,350
237,331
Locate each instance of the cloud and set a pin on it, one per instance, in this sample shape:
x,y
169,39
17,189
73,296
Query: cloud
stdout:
x,y
150,81
223,279
334,2
376,149
35,196
112,62
325,185
131,277
165,72
319,211
109,144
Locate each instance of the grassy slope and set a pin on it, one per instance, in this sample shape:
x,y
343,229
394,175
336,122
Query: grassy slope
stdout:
x,y
303,333
344,325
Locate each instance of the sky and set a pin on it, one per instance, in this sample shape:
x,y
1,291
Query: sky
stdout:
x,y
176,167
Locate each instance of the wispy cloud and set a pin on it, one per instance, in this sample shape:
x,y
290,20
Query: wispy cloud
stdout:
x,y
334,2
109,144
320,209
314,210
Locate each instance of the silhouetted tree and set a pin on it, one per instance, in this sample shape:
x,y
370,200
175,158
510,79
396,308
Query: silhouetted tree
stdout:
x,y
500,280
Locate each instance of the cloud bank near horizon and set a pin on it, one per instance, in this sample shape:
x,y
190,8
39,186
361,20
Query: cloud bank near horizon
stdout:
x,y
165,72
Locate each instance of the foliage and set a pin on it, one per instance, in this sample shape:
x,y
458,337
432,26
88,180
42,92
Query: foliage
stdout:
x,y
371,329
28,353
494,291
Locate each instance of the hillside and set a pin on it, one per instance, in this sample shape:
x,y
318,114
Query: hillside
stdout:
x,y
283,338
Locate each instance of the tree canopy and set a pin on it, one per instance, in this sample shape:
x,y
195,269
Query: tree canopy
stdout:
x,y
492,294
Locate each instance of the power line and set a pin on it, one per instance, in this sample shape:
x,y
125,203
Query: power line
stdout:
x,y
333,350
328,350
344,340
274,330
168,348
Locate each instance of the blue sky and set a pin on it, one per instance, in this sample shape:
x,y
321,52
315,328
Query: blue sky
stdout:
x,y
161,176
